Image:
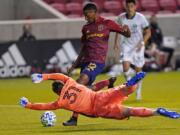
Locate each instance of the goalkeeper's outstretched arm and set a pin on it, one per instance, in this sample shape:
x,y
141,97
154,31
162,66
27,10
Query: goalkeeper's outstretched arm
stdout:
x,y
43,106
39,106
37,78
55,76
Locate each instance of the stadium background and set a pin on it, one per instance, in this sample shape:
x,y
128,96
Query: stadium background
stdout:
x,y
52,29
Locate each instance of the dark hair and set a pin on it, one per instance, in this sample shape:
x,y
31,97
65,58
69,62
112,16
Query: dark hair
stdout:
x,y
90,6
130,1
57,86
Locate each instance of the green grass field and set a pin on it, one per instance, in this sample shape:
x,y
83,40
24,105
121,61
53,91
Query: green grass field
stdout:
x,y
159,90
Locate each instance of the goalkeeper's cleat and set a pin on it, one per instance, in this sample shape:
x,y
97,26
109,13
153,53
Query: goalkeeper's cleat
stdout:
x,y
167,113
135,79
71,122
111,82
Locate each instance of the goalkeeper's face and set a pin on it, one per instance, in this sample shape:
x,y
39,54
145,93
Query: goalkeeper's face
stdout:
x,y
57,86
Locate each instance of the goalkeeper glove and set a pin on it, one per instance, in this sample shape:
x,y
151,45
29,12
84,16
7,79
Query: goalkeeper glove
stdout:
x,y
23,101
36,78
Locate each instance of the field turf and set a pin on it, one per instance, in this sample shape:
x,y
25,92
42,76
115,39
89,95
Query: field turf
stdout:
x,y
159,90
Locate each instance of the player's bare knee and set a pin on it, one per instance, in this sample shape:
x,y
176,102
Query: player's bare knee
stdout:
x,y
93,87
83,79
138,69
126,66
126,112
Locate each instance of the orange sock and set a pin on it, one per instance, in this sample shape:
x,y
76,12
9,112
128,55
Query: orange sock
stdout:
x,y
132,89
75,115
141,112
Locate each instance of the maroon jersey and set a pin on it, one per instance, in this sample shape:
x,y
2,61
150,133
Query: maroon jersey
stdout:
x,y
95,39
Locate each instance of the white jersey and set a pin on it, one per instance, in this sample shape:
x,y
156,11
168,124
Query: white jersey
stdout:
x,y
137,24
128,45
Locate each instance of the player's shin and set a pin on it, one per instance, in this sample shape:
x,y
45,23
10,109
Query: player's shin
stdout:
x,y
141,112
100,85
104,83
75,115
72,121
138,92
127,75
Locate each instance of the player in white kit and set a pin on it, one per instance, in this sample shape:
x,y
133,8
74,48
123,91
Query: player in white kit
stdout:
x,y
132,48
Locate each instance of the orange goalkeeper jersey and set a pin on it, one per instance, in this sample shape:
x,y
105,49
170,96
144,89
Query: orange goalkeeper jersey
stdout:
x,y
73,96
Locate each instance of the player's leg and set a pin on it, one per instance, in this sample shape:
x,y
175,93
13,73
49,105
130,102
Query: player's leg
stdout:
x,y
120,93
130,85
138,61
138,112
147,112
89,71
126,70
117,111
83,79
127,57
139,85
102,84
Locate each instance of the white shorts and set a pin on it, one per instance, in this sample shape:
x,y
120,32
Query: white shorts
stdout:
x,y
134,57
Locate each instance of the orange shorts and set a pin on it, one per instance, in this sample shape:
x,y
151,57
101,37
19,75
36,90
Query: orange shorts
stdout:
x,y
108,104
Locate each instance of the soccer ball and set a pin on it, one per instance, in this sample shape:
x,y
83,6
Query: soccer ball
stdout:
x,y
48,119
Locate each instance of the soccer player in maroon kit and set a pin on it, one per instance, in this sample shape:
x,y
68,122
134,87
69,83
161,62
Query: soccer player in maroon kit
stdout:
x,y
95,36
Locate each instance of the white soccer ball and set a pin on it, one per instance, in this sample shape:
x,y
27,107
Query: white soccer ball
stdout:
x,y
48,119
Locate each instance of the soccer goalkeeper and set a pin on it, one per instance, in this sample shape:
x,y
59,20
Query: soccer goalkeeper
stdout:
x,y
106,104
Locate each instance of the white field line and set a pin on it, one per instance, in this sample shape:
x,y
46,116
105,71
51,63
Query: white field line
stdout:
x,y
18,106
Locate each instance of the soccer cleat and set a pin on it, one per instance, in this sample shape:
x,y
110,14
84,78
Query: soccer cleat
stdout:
x,y
71,122
135,79
166,113
111,82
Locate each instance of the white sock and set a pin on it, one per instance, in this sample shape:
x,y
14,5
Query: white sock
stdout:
x,y
127,75
138,91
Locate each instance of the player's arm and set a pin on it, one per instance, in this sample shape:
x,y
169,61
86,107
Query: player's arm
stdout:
x,y
114,27
147,34
146,30
117,37
81,54
37,78
39,106
116,41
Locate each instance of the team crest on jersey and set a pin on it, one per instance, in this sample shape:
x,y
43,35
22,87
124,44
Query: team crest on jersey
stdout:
x,y
100,27
87,31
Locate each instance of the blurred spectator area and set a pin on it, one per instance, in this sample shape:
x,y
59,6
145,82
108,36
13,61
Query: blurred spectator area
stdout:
x,y
25,9
48,23
48,9
73,8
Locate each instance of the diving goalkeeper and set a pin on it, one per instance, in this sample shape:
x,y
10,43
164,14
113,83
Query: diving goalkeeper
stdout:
x,y
106,104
